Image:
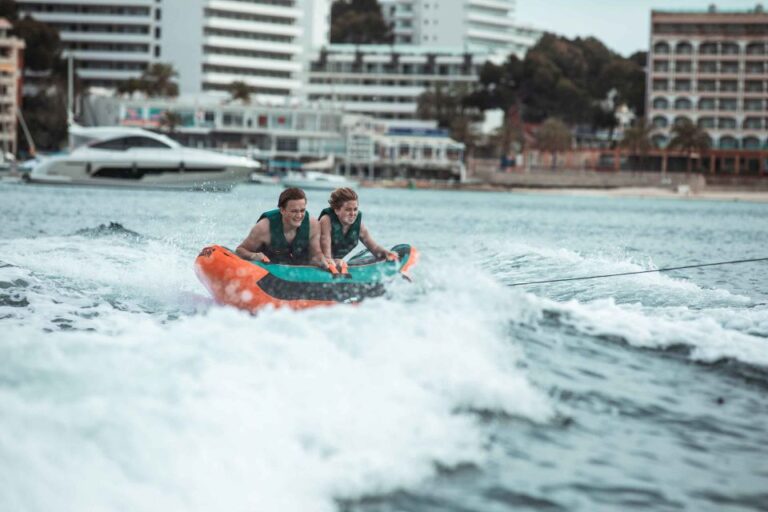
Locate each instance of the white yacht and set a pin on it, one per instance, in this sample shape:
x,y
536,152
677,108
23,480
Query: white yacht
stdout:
x,y
137,158
315,180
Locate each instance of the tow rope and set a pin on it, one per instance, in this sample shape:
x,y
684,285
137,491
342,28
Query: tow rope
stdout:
x,y
582,278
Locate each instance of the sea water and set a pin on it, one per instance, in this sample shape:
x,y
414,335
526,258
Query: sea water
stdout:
x,y
124,387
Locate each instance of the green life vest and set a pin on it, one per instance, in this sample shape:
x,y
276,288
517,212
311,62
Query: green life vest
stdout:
x,y
342,244
279,250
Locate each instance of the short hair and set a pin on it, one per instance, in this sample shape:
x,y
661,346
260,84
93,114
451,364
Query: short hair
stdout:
x,y
290,194
341,196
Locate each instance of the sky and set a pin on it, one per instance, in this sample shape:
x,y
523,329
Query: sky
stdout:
x,y
623,25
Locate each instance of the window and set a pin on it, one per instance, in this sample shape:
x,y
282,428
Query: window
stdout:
x,y
660,103
706,122
726,123
661,48
729,142
728,104
287,144
144,142
753,123
112,144
660,122
683,104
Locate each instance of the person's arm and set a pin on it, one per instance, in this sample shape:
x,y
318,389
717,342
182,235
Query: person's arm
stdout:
x,y
376,249
325,236
250,248
316,255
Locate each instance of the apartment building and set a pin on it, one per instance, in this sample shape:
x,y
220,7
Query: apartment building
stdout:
x,y
11,64
711,68
484,26
110,41
210,43
386,81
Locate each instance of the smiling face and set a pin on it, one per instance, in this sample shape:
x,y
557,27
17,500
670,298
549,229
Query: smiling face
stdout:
x,y
347,212
293,212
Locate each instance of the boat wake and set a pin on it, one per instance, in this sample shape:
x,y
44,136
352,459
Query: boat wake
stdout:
x,y
171,405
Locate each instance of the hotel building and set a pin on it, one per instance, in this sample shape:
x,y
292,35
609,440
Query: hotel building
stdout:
x,y
711,68
110,41
386,81
485,26
11,64
210,43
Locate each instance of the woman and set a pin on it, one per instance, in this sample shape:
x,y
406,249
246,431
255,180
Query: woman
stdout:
x,y
341,226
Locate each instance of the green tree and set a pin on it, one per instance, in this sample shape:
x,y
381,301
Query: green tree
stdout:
x,y
690,139
46,118
43,44
157,80
637,139
240,91
448,106
358,22
9,10
170,120
553,136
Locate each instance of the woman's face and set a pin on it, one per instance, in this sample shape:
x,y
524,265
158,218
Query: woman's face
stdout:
x,y
347,212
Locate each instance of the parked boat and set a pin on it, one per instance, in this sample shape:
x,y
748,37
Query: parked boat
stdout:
x,y
137,158
315,180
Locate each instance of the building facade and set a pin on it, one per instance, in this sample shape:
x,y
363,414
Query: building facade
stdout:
x,y
281,137
711,68
386,81
11,65
110,41
210,43
484,26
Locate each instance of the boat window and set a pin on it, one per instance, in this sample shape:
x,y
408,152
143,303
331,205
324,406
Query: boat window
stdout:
x,y
144,142
113,144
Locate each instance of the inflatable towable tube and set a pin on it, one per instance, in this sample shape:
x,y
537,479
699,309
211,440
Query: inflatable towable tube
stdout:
x,y
251,285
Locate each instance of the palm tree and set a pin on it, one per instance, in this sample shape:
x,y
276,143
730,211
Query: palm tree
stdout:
x,y
689,138
239,90
170,120
637,139
553,136
158,80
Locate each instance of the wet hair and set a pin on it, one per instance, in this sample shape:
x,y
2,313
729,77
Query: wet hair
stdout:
x,y
341,196
290,194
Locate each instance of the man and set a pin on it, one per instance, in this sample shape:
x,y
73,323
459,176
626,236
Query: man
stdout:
x,y
286,235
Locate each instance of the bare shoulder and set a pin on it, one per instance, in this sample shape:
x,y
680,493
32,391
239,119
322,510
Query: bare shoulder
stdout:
x,y
324,221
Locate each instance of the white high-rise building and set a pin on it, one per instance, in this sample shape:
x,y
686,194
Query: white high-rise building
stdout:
x,y
210,43
111,41
484,26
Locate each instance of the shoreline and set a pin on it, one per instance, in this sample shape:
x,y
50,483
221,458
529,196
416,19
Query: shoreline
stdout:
x,y
713,194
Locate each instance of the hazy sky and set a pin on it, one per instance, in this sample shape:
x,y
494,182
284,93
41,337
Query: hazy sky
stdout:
x,y
623,25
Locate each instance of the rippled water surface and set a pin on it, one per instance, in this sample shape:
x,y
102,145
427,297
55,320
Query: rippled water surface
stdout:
x,y
123,387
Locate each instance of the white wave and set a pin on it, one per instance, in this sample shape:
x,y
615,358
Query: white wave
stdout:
x,y
283,411
712,334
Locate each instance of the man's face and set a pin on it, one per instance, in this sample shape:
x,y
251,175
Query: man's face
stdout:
x,y
347,213
294,212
